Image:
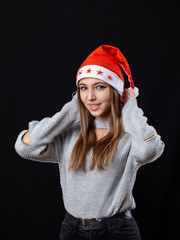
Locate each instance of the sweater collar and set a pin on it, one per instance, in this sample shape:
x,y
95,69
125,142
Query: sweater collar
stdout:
x,y
102,124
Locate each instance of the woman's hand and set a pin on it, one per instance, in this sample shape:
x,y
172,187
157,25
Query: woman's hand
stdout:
x,y
26,138
127,94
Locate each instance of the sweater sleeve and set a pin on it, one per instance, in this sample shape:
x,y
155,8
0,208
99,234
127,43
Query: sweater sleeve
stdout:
x,y
47,135
146,143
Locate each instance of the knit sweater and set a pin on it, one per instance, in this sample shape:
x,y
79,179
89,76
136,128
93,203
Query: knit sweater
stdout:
x,y
93,193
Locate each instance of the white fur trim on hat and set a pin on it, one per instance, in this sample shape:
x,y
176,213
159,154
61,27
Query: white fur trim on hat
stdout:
x,y
95,71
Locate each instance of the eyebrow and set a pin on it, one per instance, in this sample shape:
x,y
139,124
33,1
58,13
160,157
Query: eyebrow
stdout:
x,y
93,84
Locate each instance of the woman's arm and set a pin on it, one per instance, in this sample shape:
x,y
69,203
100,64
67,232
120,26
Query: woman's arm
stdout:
x,y
146,143
44,139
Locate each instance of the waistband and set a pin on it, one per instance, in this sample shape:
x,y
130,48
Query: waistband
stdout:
x,y
95,223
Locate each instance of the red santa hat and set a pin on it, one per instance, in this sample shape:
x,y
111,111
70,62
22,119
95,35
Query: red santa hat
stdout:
x,y
107,63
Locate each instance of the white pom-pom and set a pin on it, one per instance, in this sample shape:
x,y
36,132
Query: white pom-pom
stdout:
x,y
135,91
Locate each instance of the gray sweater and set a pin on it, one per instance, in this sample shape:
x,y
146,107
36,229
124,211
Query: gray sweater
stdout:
x,y
94,193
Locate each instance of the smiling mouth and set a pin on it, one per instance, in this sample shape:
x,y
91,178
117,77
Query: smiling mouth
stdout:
x,y
94,107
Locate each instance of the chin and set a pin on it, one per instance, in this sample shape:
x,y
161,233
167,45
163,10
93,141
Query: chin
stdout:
x,y
95,115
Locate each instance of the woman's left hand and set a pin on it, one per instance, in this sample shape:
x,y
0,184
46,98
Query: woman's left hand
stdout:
x,y
127,94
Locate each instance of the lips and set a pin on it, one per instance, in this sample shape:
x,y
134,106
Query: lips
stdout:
x,y
94,107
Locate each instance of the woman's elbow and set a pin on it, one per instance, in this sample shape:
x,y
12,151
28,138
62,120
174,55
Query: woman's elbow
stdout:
x,y
22,151
23,145
150,152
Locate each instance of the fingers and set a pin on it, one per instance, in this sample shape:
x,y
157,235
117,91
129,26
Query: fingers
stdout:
x,y
122,103
127,94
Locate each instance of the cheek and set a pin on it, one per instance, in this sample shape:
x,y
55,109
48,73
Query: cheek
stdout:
x,y
105,97
107,101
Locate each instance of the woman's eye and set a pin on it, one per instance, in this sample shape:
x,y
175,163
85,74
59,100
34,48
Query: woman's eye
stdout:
x,y
100,87
83,88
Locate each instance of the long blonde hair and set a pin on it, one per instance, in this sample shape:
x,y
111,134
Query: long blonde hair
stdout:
x,y
103,149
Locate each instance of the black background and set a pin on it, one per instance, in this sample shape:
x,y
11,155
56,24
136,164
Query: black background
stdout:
x,y
42,45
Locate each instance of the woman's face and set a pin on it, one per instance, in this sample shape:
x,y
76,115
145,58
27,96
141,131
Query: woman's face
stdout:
x,y
95,94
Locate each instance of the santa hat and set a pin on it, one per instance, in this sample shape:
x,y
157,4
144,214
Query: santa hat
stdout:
x,y
107,63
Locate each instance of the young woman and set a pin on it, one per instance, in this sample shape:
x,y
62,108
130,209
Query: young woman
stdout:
x,y
99,139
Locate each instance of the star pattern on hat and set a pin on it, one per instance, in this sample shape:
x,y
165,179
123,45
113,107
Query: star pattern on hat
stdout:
x,y
80,72
109,78
99,72
88,71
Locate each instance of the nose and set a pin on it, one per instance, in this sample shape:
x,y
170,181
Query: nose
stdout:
x,y
91,95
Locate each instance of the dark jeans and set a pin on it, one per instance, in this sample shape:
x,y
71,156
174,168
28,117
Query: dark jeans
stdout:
x,y
119,228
